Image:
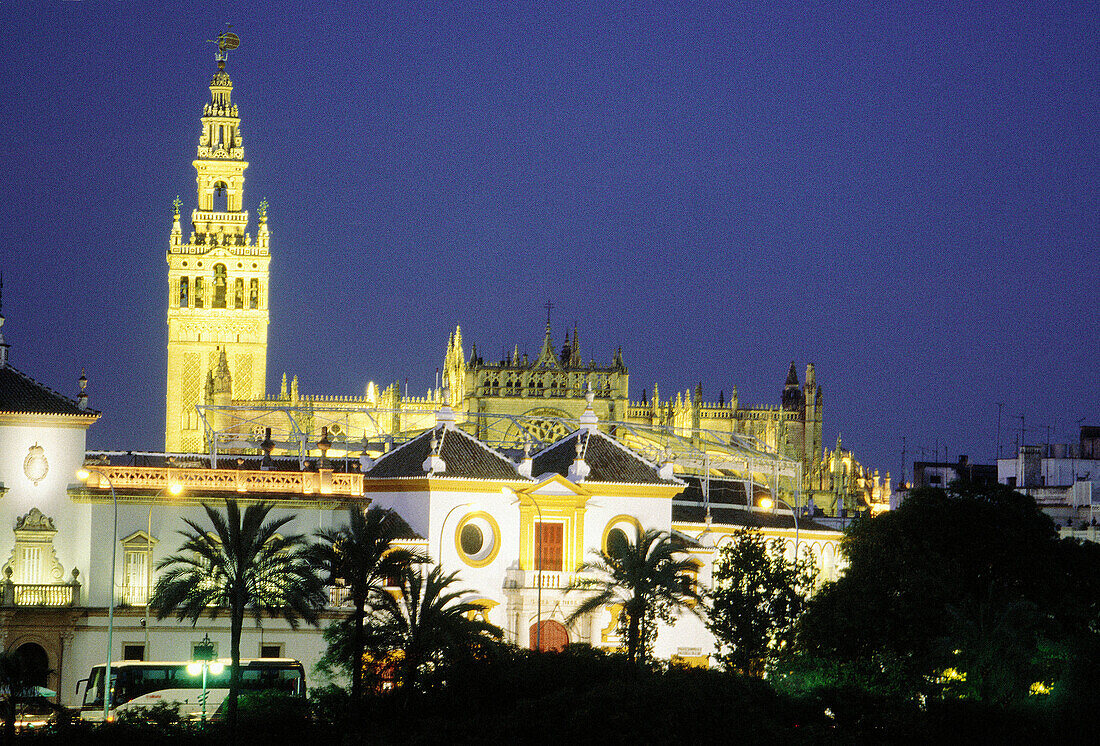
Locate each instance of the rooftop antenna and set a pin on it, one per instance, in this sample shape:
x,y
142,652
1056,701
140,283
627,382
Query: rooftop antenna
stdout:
x,y
226,41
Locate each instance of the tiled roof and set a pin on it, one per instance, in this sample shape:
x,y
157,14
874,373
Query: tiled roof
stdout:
x,y
609,460
21,394
466,457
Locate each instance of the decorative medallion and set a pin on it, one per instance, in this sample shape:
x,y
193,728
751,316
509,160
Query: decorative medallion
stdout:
x,y
35,465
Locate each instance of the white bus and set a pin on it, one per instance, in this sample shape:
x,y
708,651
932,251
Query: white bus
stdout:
x,y
137,684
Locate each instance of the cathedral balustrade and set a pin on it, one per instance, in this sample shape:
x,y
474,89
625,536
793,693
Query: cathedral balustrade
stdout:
x,y
239,480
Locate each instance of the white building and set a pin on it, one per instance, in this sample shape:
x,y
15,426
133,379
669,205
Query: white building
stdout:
x,y
516,532
1064,479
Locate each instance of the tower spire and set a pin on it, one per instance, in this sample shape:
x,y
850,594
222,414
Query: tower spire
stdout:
x,y
217,273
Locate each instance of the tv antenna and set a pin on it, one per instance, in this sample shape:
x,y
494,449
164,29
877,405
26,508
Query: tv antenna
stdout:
x,y
227,41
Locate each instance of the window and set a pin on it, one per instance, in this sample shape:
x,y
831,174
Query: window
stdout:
x,y
617,542
31,565
473,538
183,292
133,652
549,545
254,294
477,539
220,282
271,650
199,291
135,578
137,551
238,293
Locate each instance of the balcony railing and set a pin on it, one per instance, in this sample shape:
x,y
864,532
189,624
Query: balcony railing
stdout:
x,y
40,594
131,595
550,580
339,595
239,480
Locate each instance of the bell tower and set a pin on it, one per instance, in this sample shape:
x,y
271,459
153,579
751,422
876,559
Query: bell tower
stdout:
x,y
218,276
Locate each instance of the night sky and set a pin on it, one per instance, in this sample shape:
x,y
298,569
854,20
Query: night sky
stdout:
x,y
905,196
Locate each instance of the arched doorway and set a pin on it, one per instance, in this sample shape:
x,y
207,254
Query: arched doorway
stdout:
x,y
35,662
554,636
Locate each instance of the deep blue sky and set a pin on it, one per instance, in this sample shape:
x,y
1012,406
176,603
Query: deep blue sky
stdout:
x,y
906,196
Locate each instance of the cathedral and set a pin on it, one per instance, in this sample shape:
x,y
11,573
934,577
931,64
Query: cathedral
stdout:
x,y
511,471
217,349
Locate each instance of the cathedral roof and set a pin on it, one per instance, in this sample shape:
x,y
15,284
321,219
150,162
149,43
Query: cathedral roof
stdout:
x,y
741,518
728,506
609,460
21,394
465,457
792,376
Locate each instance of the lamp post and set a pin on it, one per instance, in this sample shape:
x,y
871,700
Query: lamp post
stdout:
x,y
444,524
83,474
173,489
203,663
767,503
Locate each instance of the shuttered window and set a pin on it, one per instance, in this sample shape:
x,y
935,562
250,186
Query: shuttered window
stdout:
x,y
549,545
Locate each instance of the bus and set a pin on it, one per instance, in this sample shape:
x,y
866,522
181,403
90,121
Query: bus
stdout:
x,y
137,684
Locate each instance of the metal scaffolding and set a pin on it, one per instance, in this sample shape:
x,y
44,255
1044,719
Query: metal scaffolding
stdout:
x,y
358,429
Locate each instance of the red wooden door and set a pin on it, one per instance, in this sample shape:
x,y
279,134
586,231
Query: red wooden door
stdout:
x,y
554,636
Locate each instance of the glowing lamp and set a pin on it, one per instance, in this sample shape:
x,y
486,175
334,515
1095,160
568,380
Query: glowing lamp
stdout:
x,y
194,668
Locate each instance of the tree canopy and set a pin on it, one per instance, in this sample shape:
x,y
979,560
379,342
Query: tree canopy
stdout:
x,y
362,555
967,590
243,565
758,595
649,579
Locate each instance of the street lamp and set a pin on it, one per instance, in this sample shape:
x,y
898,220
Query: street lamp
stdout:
x,y
538,565
444,524
768,503
203,663
173,489
83,474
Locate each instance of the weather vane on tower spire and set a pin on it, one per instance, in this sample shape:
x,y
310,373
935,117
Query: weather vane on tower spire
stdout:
x,y
226,41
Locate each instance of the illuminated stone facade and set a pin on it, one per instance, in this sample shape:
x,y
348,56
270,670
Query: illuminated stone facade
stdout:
x,y
217,280
217,319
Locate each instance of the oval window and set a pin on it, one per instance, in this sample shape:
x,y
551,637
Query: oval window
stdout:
x,y
472,539
477,539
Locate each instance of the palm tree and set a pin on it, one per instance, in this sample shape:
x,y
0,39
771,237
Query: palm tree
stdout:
x,y
362,556
243,564
646,578
427,623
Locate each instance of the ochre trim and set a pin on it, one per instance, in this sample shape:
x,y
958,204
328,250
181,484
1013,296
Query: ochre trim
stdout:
x,y
621,518
425,484
497,539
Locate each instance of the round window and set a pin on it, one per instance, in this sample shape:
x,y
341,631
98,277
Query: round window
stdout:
x,y
617,542
472,539
477,539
